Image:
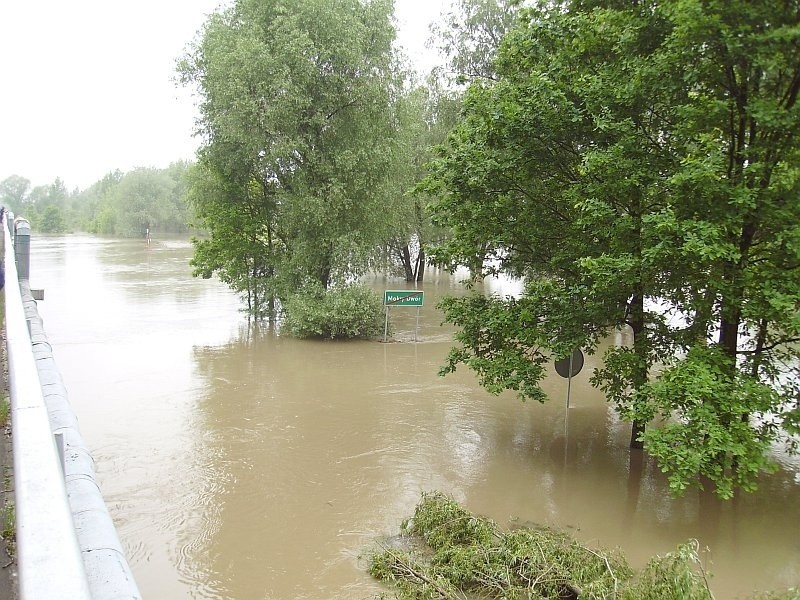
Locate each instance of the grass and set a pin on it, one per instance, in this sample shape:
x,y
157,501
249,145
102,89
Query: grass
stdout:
x,y
5,410
9,532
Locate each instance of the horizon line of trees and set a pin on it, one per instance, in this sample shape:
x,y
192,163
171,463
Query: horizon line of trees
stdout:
x,y
120,204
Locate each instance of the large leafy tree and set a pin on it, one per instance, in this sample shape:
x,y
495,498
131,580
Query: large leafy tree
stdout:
x,y
14,192
426,113
634,162
298,129
733,217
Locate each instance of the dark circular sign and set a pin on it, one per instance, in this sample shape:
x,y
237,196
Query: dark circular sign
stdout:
x,y
563,365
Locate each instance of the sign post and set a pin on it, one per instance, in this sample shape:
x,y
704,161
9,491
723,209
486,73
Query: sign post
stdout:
x,y
568,368
402,298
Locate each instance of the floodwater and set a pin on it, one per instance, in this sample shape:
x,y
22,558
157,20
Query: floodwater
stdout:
x,y
243,464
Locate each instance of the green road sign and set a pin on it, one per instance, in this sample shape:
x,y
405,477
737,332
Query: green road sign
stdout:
x,y
402,298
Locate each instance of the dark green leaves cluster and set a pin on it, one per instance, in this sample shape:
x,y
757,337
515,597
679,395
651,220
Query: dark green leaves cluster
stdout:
x,y
346,312
636,163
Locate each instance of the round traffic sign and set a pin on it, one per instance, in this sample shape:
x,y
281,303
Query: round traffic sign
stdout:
x,y
571,365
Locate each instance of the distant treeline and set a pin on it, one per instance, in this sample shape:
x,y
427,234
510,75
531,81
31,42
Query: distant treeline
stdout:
x,y
120,204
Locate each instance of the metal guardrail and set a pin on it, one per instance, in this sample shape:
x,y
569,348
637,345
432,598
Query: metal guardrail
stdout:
x,y
67,545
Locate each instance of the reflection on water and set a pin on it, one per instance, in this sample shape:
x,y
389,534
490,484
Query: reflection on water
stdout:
x,y
241,464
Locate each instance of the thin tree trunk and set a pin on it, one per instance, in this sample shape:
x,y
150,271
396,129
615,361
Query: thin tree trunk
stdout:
x,y
640,352
405,258
419,266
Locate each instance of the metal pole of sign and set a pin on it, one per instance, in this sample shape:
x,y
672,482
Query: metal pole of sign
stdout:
x,y
569,387
416,330
386,324
568,368
569,379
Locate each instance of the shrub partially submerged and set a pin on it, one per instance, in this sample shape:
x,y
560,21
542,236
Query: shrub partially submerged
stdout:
x,y
458,555
348,312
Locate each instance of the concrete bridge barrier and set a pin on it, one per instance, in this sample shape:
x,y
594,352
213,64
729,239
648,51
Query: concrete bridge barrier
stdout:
x,y
67,545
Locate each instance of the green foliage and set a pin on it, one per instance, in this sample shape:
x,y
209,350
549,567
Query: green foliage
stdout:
x,y
711,427
51,220
45,207
241,246
14,191
144,199
298,139
441,522
9,532
123,204
636,164
346,312
425,115
469,36
454,554
503,354
678,574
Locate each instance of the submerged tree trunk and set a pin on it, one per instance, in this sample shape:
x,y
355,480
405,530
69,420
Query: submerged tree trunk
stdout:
x,y
326,267
405,259
419,265
639,375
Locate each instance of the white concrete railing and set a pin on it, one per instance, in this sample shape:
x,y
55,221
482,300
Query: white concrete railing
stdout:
x,y
67,543
49,562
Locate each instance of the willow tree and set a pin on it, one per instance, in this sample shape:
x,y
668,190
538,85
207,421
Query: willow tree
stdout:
x,y
297,129
634,162
469,35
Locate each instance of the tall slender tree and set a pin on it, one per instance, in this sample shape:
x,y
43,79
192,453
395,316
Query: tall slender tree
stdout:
x,y
297,127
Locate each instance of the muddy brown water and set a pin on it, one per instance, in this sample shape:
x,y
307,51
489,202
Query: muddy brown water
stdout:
x,y
242,464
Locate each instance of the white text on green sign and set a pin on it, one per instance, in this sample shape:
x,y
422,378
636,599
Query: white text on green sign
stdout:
x,y
402,298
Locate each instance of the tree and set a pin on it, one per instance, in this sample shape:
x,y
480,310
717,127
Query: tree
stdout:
x,y
14,191
93,210
45,207
141,200
468,40
297,126
469,36
606,165
241,246
127,204
734,220
425,115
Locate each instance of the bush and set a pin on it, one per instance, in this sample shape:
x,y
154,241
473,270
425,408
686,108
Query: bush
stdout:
x,y
452,553
349,312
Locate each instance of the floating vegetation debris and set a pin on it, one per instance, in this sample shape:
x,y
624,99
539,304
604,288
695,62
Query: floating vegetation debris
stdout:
x,y
448,553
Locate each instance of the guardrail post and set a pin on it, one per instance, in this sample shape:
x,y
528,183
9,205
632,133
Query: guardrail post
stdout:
x,y
22,248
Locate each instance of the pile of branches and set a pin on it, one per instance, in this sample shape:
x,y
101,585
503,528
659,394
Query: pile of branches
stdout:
x,y
448,553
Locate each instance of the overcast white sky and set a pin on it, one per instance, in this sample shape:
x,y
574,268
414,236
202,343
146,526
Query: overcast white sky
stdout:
x,y
86,86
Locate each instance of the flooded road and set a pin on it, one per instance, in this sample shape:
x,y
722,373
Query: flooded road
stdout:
x,y
242,464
